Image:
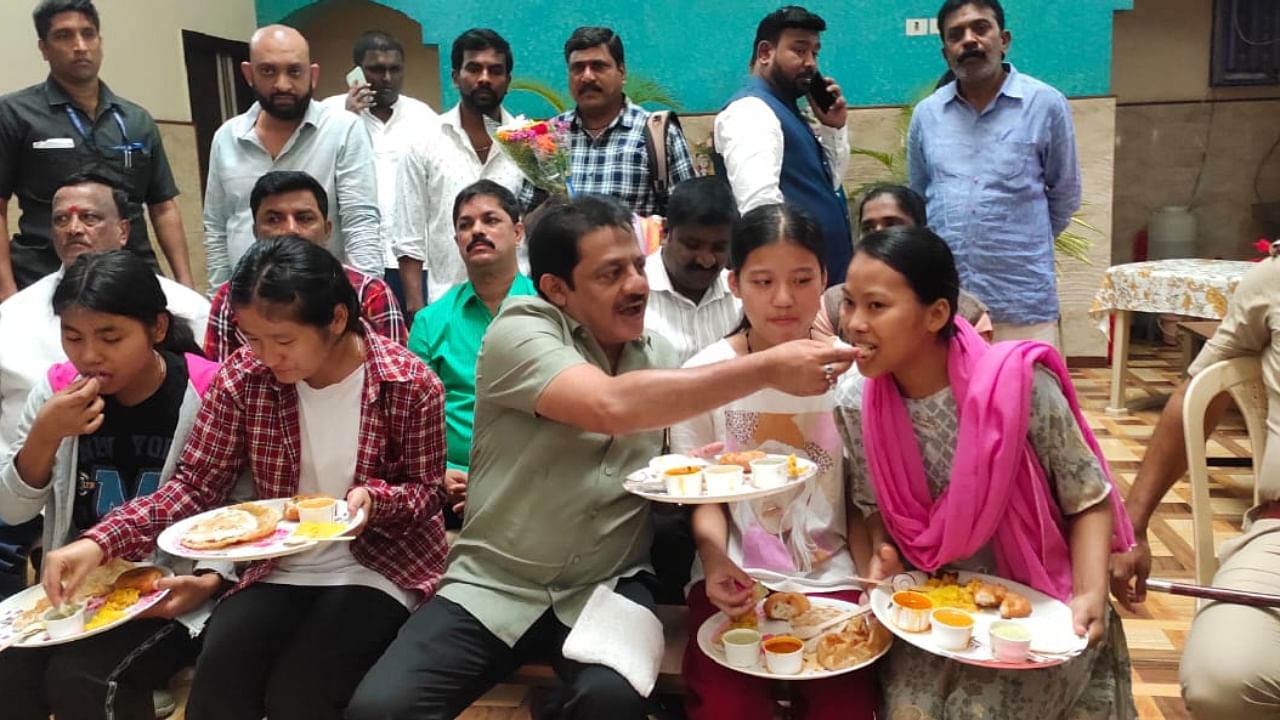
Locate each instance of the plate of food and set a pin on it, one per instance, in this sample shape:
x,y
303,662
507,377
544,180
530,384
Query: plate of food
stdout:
x,y
794,637
260,529
732,477
111,594
978,619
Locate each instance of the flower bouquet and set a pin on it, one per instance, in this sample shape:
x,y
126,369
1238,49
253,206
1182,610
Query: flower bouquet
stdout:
x,y
541,150
1265,248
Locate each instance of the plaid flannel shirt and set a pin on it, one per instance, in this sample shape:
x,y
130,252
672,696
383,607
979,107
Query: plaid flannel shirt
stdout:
x,y
249,419
377,305
616,163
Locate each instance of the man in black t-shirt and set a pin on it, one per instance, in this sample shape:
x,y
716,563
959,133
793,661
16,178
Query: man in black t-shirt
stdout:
x,y
71,123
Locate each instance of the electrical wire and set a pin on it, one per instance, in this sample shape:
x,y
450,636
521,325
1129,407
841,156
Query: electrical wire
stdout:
x,y
1235,21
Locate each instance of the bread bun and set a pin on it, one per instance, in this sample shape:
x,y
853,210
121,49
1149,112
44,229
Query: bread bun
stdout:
x,y
785,605
742,459
142,579
291,507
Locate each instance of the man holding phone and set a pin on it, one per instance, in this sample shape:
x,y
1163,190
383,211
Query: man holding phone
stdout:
x,y
770,152
394,122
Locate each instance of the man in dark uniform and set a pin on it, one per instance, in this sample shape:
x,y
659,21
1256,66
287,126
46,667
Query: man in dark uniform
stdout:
x,y
71,123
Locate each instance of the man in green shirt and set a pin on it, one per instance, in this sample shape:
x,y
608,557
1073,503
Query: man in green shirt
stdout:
x,y
571,395
446,334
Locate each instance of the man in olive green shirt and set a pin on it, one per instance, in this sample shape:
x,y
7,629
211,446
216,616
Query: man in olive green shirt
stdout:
x,y
446,334
571,395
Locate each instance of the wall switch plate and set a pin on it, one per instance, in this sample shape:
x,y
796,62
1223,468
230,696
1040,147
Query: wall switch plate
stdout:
x,y
917,26
933,26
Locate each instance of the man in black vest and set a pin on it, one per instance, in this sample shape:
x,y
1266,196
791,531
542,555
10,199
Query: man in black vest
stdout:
x,y
771,153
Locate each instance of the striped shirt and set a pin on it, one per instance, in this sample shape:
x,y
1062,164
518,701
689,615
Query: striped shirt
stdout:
x,y
688,327
616,163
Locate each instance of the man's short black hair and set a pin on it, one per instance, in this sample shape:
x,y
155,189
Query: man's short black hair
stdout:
x,y
706,201
477,39
950,6
374,41
124,208
279,182
46,10
587,37
791,17
553,244
488,188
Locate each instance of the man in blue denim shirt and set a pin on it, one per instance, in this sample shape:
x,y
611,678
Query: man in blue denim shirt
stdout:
x,y
994,155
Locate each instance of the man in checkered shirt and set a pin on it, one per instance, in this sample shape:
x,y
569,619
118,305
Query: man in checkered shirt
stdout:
x,y
607,131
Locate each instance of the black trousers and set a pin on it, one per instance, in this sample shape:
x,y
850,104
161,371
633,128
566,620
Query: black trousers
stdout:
x,y
444,659
16,542
289,651
110,675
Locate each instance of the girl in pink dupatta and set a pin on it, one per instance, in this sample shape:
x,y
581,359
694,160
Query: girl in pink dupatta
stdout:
x,y
975,457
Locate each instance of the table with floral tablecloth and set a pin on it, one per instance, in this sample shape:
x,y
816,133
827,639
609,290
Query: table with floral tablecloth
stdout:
x,y
1192,286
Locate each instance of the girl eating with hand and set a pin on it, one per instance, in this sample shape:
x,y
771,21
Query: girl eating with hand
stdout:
x,y
975,457
101,429
316,403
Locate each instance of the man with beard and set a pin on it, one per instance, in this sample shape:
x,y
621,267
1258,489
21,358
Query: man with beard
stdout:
x,y
439,165
607,132
71,123
770,152
393,120
571,395
994,154
284,130
447,334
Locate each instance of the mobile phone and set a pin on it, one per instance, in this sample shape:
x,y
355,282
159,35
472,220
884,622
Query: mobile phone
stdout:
x,y
356,77
818,92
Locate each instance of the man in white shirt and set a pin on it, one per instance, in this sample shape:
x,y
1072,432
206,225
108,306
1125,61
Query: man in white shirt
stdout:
x,y
284,130
771,152
394,121
689,299
440,165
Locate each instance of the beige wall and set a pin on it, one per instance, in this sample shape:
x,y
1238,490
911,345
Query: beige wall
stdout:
x,y
1180,141
878,129
1160,52
333,29
142,46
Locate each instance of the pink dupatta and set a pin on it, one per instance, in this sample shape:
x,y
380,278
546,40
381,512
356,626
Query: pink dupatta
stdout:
x,y
998,489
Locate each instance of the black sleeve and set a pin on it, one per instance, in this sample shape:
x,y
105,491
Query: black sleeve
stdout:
x,y
162,186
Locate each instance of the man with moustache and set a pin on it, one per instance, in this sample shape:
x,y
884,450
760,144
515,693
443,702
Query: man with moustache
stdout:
x,y
440,164
571,395
607,132
71,123
447,334
284,130
393,120
770,152
994,154
288,203
689,299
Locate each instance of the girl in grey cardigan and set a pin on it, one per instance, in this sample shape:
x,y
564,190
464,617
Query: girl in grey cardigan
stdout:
x,y
96,432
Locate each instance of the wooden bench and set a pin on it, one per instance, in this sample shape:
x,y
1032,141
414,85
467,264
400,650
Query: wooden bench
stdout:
x,y
670,679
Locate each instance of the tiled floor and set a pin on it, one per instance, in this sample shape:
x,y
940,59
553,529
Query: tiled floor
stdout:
x,y
1157,631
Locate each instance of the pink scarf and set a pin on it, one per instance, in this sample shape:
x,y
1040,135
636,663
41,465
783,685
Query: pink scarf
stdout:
x,y
998,488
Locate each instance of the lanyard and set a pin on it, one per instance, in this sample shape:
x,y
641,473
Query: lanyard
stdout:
x,y
126,147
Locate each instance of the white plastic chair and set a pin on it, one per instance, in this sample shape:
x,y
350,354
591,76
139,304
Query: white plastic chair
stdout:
x,y
1242,378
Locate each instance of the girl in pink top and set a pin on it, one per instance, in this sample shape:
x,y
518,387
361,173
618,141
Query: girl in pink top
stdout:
x,y
972,456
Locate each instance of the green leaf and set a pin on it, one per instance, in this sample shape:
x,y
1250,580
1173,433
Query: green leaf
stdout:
x,y
553,98
643,90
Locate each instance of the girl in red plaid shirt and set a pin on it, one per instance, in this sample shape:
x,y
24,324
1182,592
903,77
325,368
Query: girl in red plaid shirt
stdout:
x,y
321,405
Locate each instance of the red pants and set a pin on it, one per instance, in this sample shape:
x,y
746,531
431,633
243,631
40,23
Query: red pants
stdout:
x,y
717,692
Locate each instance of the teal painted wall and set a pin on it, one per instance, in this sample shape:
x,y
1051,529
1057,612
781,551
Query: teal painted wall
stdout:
x,y
700,49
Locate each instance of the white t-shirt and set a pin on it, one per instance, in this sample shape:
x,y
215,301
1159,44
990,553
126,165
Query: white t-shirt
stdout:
x,y
795,541
329,422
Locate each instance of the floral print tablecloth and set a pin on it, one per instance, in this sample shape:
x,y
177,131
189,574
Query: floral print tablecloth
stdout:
x,y
1194,287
